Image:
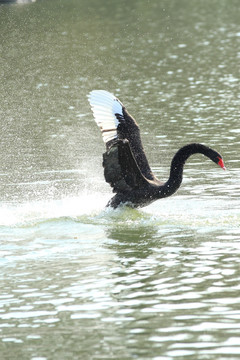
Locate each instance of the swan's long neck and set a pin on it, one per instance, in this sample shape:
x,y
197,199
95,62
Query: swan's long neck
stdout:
x,y
176,170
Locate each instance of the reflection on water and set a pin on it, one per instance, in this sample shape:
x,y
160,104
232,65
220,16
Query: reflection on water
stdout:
x,y
160,285
83,282
171,292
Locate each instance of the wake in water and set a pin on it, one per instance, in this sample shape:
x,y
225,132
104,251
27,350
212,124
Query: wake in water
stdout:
x,y
90,208
46,229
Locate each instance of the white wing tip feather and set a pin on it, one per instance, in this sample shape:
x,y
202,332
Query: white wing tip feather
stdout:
x,y
104,106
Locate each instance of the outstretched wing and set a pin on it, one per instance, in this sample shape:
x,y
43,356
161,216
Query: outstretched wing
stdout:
x,y
104,106
117,124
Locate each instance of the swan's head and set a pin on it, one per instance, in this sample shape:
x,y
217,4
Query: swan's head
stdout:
x,y
220,162
215,157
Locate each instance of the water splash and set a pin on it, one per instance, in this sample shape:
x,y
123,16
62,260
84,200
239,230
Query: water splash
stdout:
x,y
89,207
32,212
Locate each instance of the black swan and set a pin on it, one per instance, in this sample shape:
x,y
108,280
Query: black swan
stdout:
x,y
125,164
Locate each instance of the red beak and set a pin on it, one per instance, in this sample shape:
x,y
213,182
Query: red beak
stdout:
x,y
221,163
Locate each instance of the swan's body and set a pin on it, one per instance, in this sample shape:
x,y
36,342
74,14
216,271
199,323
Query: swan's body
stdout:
x,y
125,164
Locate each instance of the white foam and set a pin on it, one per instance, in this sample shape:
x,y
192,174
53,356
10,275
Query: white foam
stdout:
x,y
31,212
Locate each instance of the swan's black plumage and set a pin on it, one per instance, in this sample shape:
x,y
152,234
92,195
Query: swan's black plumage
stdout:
x,y
126,167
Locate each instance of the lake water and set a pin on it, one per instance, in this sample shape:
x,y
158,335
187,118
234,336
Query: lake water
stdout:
x,y
78,281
